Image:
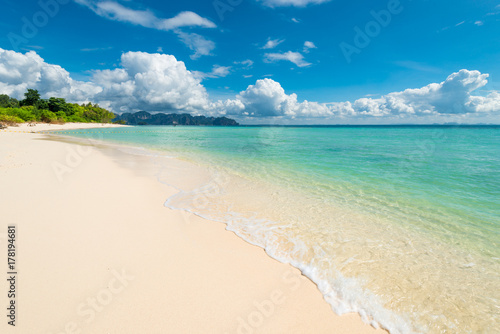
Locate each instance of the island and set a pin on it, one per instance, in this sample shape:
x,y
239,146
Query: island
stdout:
x,y
145,118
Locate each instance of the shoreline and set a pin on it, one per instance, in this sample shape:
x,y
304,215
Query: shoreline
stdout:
x,y
112,244
39,127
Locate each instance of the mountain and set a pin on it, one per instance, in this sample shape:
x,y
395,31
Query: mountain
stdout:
x,y
145,118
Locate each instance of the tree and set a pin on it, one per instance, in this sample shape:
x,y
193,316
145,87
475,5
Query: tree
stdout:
x,y
31,97
34,108
42,104
57,104
94,113
8,102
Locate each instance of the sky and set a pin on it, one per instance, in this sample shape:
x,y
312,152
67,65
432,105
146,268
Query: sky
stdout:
x,y
261,61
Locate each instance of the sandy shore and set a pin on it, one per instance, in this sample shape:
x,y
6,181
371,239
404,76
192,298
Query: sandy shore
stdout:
x,y
97,252
38,127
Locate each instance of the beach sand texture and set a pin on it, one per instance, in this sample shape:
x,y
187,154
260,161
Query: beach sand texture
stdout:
x,y
97,252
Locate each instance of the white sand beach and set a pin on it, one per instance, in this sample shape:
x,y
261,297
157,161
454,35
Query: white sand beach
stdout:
x,y
97,252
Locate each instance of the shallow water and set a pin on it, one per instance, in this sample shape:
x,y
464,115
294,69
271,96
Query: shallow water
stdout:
x,y
399,224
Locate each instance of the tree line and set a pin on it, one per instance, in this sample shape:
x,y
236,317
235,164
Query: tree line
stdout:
x,y
53,110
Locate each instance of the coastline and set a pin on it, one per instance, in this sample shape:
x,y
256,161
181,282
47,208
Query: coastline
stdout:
x,y
39,127
99,253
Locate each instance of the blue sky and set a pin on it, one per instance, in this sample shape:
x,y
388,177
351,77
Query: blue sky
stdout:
x,y
296,46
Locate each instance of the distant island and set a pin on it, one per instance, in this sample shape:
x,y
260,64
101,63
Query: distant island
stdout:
x,y
145,118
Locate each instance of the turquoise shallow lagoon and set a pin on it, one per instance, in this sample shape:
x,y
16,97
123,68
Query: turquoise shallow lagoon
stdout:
x,y
398,223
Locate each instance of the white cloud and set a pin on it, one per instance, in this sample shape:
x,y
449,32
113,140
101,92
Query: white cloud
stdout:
x,y
217,72
485,104
272,43
150,82
18,72
221,71
246,63
287,3
146,18
295,57
185,19
268,99
159,82
451,97
115,11
197,43
308,45
224,108
479,23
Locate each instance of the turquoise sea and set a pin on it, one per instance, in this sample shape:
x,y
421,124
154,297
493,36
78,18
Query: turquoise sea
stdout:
x,y
398,223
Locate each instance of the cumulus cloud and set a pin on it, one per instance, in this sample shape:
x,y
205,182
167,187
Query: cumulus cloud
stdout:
x,y
295,57
18,72
268,99
150,82
159,82
272,43
451,97
225,108
485,104
288,3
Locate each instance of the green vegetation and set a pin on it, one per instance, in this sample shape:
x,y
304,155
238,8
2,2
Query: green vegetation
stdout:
x,y
54,110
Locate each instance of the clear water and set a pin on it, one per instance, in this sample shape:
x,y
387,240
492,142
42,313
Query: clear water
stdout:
x,y
400,224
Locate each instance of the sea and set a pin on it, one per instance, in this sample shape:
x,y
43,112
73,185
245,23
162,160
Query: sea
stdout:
x,y
400,224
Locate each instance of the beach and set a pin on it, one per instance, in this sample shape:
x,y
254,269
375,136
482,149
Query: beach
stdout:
x,y
172,168
98,252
